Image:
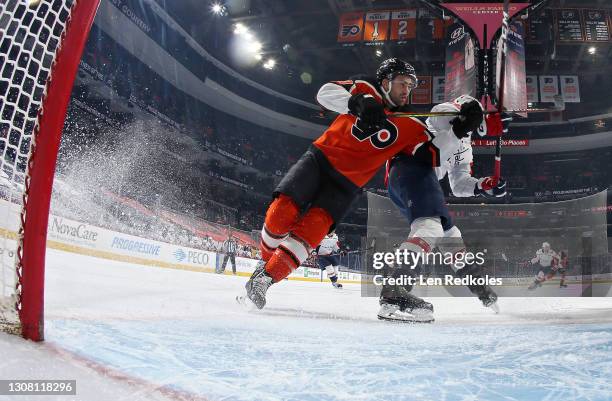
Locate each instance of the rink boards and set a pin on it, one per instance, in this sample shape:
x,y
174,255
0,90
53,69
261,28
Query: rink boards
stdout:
x,y
85,239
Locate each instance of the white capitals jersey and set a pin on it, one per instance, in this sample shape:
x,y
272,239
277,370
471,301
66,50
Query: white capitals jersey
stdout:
x,y
544,258
329,245
456,156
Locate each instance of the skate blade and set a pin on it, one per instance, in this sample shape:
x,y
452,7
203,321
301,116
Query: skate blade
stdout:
x,y
419,317
413,320
494,307
246,303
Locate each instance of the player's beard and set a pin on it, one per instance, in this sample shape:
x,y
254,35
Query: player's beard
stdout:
x,y
401,101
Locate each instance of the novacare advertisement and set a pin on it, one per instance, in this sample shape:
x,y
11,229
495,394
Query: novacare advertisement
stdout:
x,y
79,237
69,231
82,238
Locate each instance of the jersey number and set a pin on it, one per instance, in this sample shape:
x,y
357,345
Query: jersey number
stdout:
x,y
384,137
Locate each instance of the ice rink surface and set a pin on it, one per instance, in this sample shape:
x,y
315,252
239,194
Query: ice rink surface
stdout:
x,y
129,332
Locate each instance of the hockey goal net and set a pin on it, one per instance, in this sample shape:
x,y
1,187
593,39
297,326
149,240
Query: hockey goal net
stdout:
x,y
40,47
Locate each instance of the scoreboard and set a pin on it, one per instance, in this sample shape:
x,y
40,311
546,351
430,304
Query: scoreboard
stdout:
x,y
596,27
569,27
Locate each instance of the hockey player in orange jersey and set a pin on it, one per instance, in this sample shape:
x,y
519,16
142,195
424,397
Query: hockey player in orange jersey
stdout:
x,y
318,190
414,187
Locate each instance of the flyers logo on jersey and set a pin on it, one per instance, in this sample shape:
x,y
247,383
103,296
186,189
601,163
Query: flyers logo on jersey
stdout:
x,y
384,137
350,30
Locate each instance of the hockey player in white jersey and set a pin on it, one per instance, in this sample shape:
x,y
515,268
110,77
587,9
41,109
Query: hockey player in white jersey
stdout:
x,y
413,186
327,257
547,260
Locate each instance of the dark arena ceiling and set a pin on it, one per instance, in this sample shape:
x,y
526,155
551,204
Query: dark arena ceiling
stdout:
x,y
301,38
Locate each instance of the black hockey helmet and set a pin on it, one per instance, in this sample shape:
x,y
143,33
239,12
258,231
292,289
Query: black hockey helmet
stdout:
x,y
393,67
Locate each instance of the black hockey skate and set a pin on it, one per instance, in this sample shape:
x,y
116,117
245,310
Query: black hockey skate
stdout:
x,y
485,294
398,305
256,287
336,284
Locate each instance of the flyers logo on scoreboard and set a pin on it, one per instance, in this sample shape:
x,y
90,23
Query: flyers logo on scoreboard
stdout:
x,y
350,30
351,27
376,26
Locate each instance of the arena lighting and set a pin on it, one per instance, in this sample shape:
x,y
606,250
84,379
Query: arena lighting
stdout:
x,y
218,9
592,50
255,47
245,48
240,29
268,65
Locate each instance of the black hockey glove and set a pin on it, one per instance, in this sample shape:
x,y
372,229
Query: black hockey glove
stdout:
x,y
367,109
469,119
487,188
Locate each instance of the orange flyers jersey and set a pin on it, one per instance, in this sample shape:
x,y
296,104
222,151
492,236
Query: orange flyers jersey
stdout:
x,y
357,153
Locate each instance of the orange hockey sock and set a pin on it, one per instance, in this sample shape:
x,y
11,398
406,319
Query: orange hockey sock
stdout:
x,y
281,216
281,264
294,250
313,226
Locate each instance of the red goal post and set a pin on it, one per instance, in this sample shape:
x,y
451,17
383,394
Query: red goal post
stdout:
x,y
38,39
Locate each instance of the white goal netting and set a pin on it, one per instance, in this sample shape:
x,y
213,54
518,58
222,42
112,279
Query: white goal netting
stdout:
x,y
31,33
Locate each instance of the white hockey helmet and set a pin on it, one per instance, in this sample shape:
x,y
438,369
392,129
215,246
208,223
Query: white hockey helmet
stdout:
x,y
545,245
482,129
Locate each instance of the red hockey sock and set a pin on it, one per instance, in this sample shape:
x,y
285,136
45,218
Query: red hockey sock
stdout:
x,y
294,250
281,216
281,264
313,226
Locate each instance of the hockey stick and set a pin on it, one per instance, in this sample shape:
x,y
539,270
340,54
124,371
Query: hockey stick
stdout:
x,y
502,81
559,106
